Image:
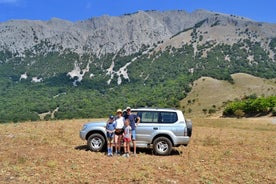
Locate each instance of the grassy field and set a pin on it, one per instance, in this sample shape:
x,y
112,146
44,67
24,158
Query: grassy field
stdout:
x,y
221,151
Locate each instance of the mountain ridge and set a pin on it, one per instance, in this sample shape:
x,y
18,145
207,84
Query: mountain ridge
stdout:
x,y
111,33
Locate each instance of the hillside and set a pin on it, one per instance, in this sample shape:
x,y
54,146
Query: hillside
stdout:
x,y
58,69
212,94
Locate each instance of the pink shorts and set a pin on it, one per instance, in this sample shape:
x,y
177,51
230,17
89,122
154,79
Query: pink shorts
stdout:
x,y
127,139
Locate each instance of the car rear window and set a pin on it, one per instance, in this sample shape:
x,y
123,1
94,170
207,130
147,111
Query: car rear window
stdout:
x,y
168,117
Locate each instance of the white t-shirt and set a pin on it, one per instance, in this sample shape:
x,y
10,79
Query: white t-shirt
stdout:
x,y
120,122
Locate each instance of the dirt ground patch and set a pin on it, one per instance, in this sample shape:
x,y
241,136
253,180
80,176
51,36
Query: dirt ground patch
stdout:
x,y
221,151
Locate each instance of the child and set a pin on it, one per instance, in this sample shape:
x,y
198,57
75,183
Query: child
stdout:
x,y
110,129
127,138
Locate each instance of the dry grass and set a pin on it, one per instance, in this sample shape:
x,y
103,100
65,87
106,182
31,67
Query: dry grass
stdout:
x,y
221,151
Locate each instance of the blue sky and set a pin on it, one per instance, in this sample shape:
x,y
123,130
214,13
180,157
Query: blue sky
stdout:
x,y
74,10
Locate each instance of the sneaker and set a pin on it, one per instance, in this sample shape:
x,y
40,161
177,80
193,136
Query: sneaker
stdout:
x,y
125,155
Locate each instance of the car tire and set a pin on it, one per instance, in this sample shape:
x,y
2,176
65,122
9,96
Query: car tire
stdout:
x,y
96,142
162,146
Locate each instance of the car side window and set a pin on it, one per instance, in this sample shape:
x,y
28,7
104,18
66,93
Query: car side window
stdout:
x,y
148,117
168,117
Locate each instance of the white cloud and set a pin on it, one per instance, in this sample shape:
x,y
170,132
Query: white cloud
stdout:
x,y
8,1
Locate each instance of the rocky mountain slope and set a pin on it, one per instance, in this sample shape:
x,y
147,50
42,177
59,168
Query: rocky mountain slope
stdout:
x,y
129,34
106,34
147,58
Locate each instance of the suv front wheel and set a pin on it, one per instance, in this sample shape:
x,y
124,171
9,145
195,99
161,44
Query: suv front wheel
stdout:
x,y
162,146
96,142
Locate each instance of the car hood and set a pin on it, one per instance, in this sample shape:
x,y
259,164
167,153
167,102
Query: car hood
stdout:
x,y
95,123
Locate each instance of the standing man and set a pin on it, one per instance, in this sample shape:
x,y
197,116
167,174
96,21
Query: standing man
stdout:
x,y
134,121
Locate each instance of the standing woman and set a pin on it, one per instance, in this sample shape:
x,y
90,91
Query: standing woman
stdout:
x,y
119,131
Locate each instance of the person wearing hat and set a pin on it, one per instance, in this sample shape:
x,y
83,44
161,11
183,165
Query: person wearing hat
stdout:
x,y
110,129
119,131
134,121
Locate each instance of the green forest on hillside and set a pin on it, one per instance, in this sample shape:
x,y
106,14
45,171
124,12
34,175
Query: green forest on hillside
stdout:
x,y
160,79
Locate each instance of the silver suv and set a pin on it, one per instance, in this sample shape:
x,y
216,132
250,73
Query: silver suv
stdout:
x,y
160,129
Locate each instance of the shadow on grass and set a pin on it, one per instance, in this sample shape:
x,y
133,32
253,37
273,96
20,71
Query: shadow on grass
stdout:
x,y
147,151
82,148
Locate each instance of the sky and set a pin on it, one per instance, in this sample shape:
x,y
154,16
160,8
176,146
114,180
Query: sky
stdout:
x,y
76,10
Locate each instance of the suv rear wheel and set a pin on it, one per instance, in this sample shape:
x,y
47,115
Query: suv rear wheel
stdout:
x,y
162,146
96,142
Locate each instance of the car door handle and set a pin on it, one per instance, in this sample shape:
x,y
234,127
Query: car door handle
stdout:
x,y
155,128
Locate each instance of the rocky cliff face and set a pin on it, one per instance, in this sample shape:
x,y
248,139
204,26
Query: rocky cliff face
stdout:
x,y
128,32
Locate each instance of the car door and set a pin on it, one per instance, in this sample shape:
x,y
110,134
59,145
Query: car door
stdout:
x,y
147,127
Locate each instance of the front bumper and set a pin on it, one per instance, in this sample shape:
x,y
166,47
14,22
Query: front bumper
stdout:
x,y
82,134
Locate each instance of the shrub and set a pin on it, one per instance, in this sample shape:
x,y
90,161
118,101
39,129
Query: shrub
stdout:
x,y
251,107
239,113
211,111
274,111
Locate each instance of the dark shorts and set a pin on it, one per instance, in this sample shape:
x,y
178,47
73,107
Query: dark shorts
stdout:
x,y
109,135
119,131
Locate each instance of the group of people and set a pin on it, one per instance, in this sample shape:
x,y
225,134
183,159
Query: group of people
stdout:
x,y
122,128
